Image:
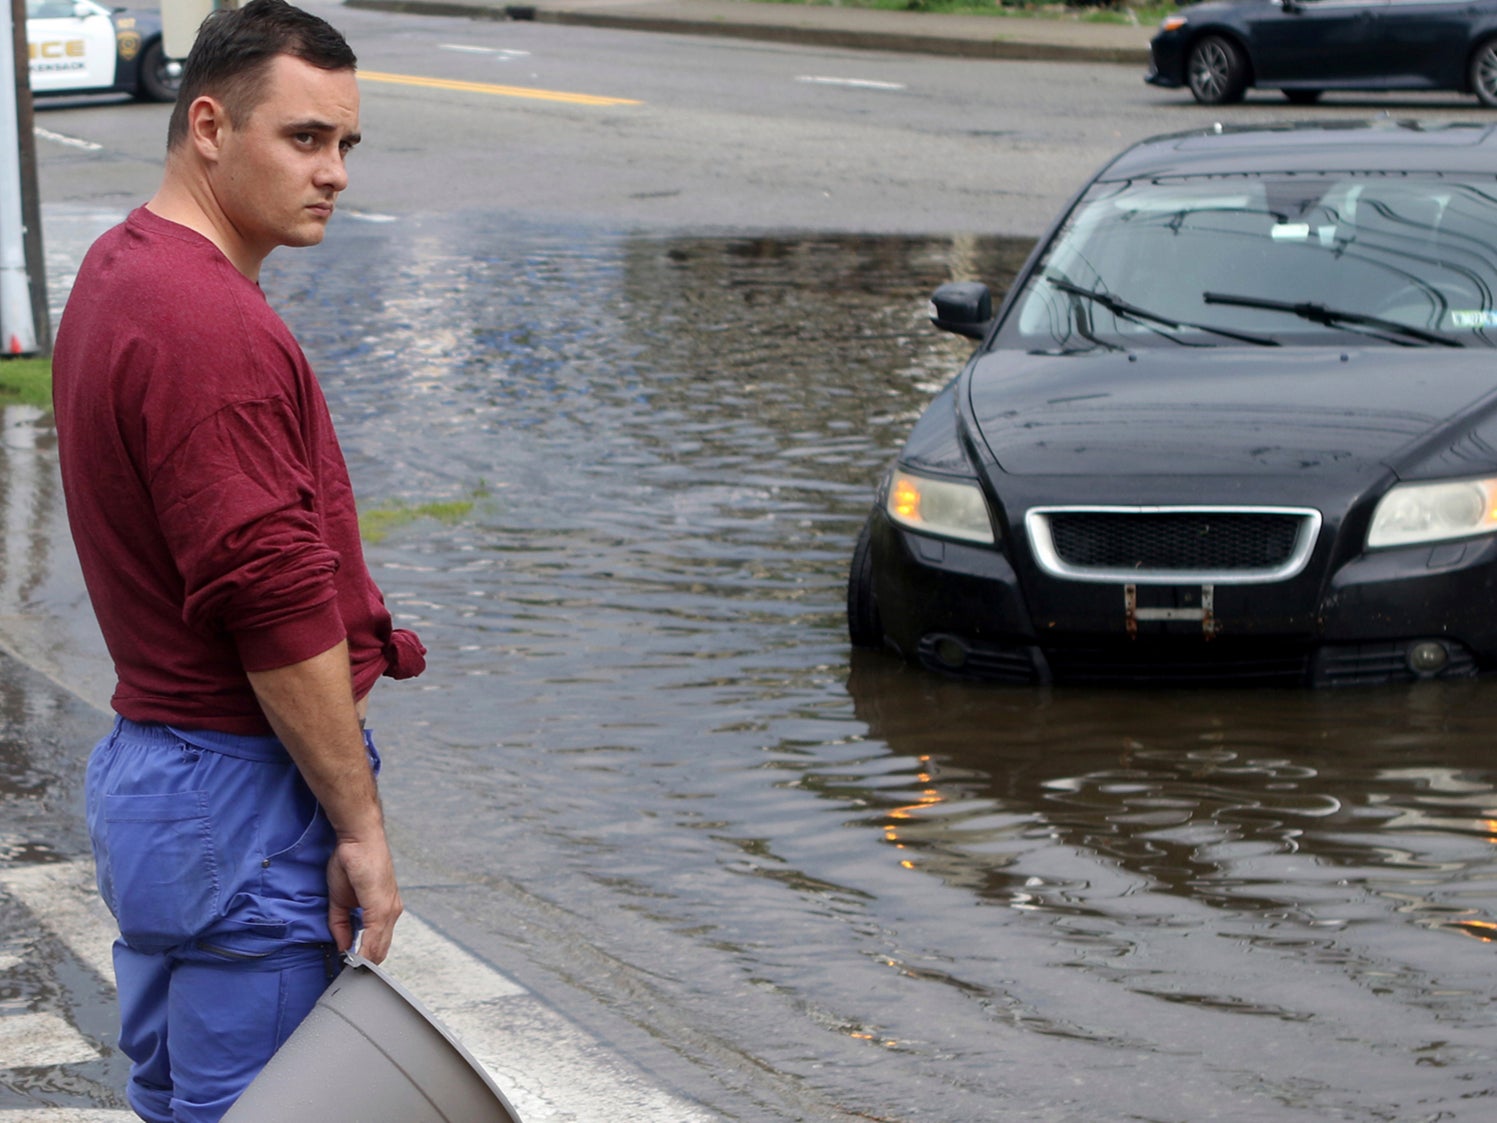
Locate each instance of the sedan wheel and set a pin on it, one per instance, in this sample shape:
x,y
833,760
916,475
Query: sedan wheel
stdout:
x,y
1483,73
160,77
864,627
1216,71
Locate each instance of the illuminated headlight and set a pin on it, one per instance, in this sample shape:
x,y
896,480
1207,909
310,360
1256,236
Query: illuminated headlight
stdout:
x,y
1434,512
1172,23
945,507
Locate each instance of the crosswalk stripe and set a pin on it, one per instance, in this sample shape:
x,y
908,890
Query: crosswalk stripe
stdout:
x,y
28,1040
61,896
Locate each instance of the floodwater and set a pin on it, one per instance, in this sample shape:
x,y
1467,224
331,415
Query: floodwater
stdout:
x,y
622,477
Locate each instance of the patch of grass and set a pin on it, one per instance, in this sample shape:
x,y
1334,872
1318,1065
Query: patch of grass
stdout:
x,y
376,523
1145,15
26,382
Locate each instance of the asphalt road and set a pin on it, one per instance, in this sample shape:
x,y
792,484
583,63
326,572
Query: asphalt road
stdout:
x,y
624,131
635,130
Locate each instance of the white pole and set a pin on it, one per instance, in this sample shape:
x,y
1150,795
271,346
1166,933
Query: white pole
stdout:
x,y
17,325
180,20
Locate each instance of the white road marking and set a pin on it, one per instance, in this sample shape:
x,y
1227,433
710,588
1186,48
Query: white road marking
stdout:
x,y
855,83
366,216
66,141
443,974
467,49
549,1073
62,897
29,1040
64,1115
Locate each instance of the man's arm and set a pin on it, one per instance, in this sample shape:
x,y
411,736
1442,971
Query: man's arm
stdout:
x,y
310,706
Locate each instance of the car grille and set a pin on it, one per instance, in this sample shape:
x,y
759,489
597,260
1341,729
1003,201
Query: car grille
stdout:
x,y
1173,545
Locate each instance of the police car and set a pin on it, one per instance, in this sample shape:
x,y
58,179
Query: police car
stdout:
x,y
79,47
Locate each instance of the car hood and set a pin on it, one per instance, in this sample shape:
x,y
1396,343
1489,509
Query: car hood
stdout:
x,y
1229,411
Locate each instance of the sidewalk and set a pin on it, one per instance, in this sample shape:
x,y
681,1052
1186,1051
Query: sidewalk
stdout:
x,y
993,37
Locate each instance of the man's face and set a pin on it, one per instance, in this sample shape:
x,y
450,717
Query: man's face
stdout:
x,y
280,170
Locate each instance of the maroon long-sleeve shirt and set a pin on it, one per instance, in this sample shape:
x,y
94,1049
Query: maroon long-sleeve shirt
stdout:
x,y
209,501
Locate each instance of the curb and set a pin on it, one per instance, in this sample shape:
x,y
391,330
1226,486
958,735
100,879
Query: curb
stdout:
x,y
870,40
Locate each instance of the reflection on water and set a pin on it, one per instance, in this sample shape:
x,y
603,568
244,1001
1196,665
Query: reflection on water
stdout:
x,y
1325,812
881,894
1196,797
30,492
40,788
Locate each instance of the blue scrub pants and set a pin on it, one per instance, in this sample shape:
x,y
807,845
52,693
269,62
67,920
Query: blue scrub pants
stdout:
x,y
212,854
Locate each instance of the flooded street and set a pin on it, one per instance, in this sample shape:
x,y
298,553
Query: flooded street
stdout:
x,y
614,482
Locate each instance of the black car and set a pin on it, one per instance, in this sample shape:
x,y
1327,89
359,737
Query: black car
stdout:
x,y
1235,420
79,47
1303,47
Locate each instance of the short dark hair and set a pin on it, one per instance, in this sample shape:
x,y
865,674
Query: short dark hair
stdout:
x,y
234,50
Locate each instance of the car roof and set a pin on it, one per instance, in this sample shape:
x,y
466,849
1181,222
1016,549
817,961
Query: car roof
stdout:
x,y
1382,145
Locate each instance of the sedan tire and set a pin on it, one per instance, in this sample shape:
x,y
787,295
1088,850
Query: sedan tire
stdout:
x,y
160,77
864,627
1483,73
1216,71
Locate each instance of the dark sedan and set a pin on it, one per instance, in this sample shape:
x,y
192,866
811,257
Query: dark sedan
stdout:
x,y
1303,47
1236,420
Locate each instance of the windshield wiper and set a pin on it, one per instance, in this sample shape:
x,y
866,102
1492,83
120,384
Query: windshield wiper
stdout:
x,y
1330,317
1120,307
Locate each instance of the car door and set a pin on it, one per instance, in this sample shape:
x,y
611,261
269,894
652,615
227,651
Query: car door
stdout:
x,y
69,46
1317,41
1427,41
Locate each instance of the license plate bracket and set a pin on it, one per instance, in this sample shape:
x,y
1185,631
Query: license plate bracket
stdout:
x,y
1204,610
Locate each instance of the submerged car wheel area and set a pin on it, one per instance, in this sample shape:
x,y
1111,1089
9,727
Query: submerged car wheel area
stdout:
x,y
1236,421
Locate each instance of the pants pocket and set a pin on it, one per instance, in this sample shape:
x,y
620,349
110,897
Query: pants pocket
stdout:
x,y
164,883
299,871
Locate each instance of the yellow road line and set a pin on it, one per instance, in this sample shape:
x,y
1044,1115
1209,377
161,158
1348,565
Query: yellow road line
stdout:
x,y
499,91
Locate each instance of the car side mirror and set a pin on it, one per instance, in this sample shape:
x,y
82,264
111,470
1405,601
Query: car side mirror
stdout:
x,y
963,307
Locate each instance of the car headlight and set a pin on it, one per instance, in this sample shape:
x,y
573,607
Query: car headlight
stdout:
x,y
946,507
1172,23
1434,512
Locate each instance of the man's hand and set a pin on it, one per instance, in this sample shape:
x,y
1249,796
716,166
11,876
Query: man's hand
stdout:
x,y
311,707
362,876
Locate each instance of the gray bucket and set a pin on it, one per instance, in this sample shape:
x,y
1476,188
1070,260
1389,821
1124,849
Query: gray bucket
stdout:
x,y
369,1053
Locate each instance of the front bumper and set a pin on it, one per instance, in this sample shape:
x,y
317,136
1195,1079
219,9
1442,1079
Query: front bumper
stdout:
x,y
1397,615
1166,61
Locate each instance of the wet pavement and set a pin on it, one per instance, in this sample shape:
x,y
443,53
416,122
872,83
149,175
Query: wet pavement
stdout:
x,y
621,476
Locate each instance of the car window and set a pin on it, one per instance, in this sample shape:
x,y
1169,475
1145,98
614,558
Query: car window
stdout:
x,y
1388,258
50,9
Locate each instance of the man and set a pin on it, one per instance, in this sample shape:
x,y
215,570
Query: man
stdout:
x,y
233,809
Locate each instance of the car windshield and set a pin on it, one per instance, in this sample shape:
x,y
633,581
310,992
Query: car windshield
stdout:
x,y
51,9
1397,260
